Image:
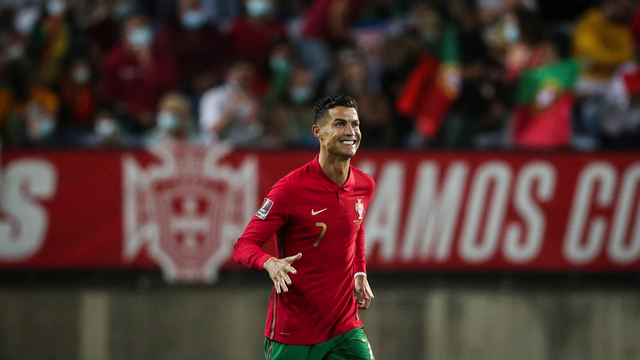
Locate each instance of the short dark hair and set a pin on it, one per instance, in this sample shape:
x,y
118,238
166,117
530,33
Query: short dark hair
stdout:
x,y
322,106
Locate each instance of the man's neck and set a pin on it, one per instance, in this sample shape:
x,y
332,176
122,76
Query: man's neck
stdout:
x,y
336,167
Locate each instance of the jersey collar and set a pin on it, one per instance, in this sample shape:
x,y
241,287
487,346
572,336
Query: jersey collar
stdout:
x,y
330,184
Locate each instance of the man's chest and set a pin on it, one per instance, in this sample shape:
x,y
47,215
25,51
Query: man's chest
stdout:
x,y
323,217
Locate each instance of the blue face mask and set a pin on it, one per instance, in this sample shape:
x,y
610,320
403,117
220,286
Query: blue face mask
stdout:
x,y
167,121
300,94
278,63
140,37
258,8
122,10
511,33
55,7
47,126
193,19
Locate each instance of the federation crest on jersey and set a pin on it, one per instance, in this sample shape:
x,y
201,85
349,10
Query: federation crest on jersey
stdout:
x,y
187,210
359,208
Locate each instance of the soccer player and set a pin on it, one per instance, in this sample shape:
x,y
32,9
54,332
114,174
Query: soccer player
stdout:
x,y
316,213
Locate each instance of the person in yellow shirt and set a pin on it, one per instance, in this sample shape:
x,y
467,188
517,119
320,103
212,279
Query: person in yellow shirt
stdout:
x,y
603,39
28,111
51,41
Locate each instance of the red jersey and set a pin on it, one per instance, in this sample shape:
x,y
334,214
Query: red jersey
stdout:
x,y
310,214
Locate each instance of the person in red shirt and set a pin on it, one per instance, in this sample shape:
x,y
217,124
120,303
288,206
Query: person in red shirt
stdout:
x,y
317,214
202,53
136,73
254,36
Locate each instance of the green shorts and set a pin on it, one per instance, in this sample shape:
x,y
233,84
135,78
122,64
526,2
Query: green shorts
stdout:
x,y
352,345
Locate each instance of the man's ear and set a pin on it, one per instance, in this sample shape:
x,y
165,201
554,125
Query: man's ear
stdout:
x,y
317,131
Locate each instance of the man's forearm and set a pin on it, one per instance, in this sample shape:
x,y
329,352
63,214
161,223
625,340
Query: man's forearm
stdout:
x,y
249,254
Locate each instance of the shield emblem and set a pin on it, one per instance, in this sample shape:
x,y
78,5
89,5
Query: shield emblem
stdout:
x,y
190,215
188,210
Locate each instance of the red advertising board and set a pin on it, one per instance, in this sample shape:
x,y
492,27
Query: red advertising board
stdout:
x,y
181,209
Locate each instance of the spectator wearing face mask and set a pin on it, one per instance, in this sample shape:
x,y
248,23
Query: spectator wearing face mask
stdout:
x,y
40,126
291,115
51,40
229,112
136,73
28,110
108,132
253,37
26,14
103,26
77,96
202,53
12,48
528,47
174,121
280,65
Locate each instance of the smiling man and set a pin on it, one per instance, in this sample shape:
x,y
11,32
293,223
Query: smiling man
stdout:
x,y
316,214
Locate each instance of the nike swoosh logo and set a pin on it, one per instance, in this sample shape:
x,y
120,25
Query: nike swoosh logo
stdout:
x,y
317,212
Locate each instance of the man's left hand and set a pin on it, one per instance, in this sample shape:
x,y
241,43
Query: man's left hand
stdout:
x,y
363,288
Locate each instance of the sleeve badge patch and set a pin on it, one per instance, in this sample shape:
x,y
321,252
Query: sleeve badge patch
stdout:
x,y
264,210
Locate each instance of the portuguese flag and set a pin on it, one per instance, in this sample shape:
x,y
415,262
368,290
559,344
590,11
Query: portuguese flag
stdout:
x,y
433,86
542,115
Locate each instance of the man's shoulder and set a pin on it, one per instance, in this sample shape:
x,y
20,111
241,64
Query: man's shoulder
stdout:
x,y
363,178
296,176
364,182
289,186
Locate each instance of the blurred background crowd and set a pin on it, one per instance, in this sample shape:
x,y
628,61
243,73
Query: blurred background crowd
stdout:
x,y
464,74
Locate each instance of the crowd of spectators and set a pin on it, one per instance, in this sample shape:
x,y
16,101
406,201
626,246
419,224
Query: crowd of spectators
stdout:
x,y
130,73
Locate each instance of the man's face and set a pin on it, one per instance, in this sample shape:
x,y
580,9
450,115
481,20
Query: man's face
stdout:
x,y
339,132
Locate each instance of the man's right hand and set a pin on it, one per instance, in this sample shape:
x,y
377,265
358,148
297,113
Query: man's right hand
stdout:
x,y
279,270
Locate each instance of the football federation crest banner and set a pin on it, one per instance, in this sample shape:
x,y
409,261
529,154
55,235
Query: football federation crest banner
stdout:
x,y
181,209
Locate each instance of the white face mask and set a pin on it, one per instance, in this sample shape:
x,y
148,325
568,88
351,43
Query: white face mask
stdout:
x,y
167,121
194,19
106,128
55,7
300,94
140,37
46,127
16,51
81,74
257,8
122,10
510,31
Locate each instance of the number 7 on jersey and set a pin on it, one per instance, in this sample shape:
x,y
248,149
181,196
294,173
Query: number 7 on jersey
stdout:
x,y
324,230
